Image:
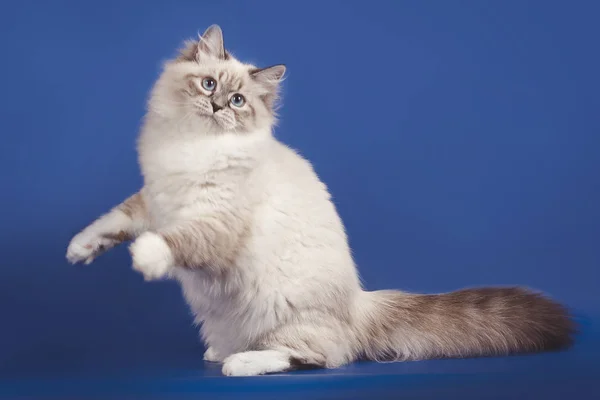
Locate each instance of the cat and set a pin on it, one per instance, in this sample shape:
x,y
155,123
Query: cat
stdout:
x,y
248,229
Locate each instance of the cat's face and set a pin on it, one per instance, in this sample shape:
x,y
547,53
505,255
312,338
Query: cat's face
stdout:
x,y
205,84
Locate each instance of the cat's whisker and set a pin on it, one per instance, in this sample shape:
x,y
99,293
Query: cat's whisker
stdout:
x,y
165,101
186,117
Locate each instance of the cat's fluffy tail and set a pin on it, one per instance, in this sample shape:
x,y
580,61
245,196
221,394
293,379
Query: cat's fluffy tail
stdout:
x,y
466,323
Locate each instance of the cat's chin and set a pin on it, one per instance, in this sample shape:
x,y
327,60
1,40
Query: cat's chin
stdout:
x,y
219,124
207,120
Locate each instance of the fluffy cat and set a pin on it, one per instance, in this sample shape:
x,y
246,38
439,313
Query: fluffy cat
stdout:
x,y
248,229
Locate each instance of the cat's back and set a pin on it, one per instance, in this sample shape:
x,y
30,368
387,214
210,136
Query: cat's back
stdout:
x,y
296,208
288,173
296,235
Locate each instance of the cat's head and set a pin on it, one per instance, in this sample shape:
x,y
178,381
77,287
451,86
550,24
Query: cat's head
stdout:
x,y
205,84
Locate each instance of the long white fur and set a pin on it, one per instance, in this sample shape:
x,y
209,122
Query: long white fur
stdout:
x,y
289,291
293,279
295,259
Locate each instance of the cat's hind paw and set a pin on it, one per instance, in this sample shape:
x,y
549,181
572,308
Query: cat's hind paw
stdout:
x,y
251,363
211,355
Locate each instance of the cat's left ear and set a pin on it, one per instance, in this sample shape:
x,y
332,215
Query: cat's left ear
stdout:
x,y
269,77
211,43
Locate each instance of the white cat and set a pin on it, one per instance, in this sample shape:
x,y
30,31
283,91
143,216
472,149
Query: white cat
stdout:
x,y
248,229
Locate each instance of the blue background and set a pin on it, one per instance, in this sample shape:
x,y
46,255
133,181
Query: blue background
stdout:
x,y
460,140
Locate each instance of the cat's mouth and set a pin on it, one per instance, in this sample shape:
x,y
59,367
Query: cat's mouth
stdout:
x,y
223,119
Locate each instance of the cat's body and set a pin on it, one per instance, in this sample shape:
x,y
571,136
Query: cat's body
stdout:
x,y
249,230
293,256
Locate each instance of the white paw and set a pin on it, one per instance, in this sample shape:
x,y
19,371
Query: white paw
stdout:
x,y
152,256
211,355
251,363
86,246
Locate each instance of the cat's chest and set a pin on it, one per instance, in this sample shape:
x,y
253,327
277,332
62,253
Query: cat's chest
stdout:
x,y
180,197
184,179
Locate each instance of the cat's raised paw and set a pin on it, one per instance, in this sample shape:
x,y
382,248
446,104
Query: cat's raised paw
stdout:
x,y
151,256
84,248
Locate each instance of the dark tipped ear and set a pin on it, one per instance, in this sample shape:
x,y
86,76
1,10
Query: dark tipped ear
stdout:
x,y
211,42
269,78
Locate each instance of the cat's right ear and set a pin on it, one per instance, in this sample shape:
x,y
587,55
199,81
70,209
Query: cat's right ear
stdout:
x,y
270,78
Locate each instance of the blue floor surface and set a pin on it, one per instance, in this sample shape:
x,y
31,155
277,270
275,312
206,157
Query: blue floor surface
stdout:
x,y
174,372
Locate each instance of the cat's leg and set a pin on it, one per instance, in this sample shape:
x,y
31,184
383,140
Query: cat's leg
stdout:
x,y
122,223
208,243
270,361
283,358
323,343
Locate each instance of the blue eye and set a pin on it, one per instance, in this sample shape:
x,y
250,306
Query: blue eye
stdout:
x,y
237,100
209,84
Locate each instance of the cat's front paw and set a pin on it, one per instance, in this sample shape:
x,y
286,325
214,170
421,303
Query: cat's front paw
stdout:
x,y
151,256
86,246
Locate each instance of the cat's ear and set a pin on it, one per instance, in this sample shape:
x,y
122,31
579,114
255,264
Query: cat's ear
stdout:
x,y
270,75
211,43
269,78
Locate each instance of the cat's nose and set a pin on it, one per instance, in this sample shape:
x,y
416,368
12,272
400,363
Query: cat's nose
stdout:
x,y
215,107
